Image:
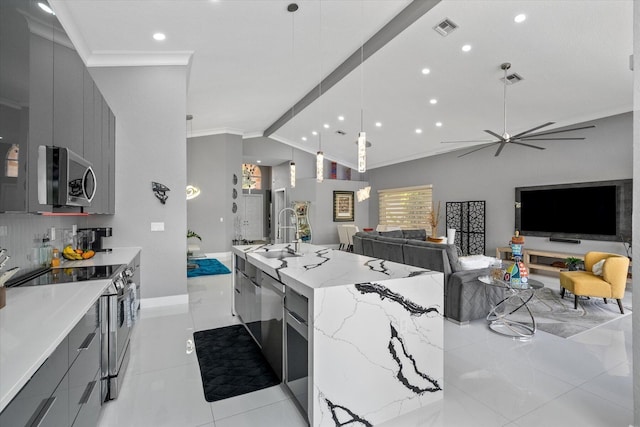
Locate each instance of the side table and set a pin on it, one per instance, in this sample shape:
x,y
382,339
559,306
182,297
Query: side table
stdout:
x,y
500,317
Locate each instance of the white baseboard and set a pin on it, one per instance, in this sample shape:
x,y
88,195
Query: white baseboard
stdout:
x,y
164,301
219,255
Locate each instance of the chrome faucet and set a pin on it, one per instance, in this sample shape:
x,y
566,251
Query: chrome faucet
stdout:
x,y
288,227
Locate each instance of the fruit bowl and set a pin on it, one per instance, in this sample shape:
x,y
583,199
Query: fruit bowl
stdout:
x,y
77,254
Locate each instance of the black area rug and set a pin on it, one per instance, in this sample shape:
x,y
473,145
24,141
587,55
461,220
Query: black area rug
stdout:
x,y
231,363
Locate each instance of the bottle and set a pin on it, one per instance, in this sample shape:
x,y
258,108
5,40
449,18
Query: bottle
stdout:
x,y
45,252
55,258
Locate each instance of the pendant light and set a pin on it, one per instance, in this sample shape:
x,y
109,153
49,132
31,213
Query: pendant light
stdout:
x,y
320,154
362,136
292,171
319,161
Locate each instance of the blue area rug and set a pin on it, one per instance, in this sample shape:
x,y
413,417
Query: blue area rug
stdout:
x,y
207,267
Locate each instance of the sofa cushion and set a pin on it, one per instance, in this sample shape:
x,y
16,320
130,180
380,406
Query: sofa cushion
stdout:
x,y
597,267
392,233
389,249
474,262
415,234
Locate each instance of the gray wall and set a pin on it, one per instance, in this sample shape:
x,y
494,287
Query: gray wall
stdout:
x,y
150,108
211,162
325,231
605,154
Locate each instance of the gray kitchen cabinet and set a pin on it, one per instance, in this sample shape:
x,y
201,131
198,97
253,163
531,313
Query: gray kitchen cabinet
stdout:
x,y
68,99
96,147
111,156
66,387
14,108
40,111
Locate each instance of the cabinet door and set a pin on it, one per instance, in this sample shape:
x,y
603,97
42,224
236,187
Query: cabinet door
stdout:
x,y
92,146
111,155
36,395
83,371
40,111
68,98
14,108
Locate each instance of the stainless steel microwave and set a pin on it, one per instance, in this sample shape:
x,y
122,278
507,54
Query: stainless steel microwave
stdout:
x,y
64,178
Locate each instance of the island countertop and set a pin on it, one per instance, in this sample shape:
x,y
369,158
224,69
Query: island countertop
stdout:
x,y
318,267
375,332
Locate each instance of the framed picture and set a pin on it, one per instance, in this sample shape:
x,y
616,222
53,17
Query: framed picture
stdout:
x,y
343,206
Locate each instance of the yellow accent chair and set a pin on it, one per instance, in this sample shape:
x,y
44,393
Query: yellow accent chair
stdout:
x,y
610,284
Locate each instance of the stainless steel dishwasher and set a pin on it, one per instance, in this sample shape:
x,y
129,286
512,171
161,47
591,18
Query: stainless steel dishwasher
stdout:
x,y
272,322
296,314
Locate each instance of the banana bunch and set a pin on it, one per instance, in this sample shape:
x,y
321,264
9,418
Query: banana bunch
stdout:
x,y
76,254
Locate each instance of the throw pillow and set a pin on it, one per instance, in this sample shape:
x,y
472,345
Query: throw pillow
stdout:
x,y
597,267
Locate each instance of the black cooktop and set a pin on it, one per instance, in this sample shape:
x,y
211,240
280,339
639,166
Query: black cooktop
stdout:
x,y
52,276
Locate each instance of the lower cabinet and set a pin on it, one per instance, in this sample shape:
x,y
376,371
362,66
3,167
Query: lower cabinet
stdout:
x,y
65,390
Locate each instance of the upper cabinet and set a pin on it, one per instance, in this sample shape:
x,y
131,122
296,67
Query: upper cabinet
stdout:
x,y
48,97
14,106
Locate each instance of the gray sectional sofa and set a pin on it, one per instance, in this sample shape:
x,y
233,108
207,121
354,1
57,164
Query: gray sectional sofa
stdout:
x,y
465,297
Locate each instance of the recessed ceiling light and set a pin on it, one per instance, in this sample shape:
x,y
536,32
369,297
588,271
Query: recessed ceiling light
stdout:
x,y
418,131
46,7
433,101
314,133
341,118
159,36
520,18
326,125
426,71
304,138
378,124
258,161
466,48
439,124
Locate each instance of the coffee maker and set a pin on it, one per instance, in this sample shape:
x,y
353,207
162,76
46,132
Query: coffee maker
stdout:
x,y
92,238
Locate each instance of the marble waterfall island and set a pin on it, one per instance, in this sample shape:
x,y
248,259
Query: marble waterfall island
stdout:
x,y
375,332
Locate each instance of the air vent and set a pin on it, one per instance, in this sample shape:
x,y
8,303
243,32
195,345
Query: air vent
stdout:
x,y
513,78
445,27
341,132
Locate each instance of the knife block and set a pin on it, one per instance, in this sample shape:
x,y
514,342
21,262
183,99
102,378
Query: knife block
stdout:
x,y
3,296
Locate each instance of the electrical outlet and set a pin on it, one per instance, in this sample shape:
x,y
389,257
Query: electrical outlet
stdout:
x,y
221,219
157,226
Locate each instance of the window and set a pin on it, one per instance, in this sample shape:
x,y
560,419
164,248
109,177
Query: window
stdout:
x,y
11,161
406,208
251,177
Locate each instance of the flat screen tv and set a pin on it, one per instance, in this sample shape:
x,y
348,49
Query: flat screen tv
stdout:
x,y
589,210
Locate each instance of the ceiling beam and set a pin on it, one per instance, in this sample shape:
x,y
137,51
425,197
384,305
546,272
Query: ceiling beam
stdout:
x,y
410,14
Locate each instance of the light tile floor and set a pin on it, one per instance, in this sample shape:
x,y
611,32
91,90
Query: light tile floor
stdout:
x,y
490,380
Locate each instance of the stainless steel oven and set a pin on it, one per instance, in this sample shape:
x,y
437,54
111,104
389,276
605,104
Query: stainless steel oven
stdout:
x,y
122,315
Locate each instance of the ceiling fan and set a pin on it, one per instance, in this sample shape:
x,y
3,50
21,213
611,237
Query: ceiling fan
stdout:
x,y
523,137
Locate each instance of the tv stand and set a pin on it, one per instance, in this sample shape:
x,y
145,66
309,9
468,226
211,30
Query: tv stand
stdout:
x,y
535,259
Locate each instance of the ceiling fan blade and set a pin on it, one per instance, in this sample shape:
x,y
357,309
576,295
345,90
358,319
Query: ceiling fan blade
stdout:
x,y
528,145
558,131
502,144
468,140
494,134
478,149
532,129
551,139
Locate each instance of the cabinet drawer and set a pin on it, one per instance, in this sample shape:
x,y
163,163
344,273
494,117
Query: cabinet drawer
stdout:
x,y
79,333
297,304
83,371
33,396
91,404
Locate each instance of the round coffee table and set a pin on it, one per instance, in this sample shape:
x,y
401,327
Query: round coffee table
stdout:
x,y
500,317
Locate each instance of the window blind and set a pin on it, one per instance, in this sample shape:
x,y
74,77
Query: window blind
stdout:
x,y
407,207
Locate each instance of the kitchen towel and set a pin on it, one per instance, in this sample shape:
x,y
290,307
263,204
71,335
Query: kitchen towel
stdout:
x,y
206,267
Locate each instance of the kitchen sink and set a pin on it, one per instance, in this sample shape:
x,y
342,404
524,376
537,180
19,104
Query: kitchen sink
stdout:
x,y
278,254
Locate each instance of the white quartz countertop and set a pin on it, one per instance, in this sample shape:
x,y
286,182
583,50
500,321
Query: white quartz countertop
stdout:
x,y
37,318
116,256
320,267
32,324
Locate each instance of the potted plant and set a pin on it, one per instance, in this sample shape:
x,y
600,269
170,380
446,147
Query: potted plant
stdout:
x,y
434,219
572,263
